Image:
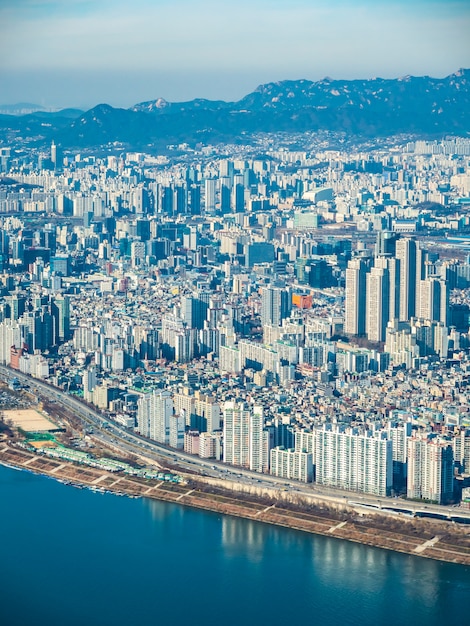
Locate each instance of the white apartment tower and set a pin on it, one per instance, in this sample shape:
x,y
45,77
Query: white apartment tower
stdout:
x,y
291,464
177,428
354,460
154,412
244,437
378,303
430,469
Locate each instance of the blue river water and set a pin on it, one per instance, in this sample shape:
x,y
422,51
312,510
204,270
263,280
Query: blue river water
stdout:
x,y
75,557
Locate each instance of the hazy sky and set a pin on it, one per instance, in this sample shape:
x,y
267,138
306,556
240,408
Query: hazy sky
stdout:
x,y
83,52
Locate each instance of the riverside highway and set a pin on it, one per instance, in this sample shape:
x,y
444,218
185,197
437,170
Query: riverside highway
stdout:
x,y
123,439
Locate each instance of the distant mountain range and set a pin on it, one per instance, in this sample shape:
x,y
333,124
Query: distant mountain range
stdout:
x,y
365,108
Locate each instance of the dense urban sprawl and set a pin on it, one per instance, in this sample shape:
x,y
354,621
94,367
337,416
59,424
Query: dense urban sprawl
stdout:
x,y
298,312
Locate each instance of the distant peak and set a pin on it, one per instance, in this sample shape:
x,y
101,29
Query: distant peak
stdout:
x,y
103,107
151,105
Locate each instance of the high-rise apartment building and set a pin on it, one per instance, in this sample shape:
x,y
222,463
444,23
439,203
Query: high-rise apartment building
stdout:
x,y
275,305
154,412
434,300
430,469
355,321
207,413
378,303
355,460
288,463
244,439
406,253
210,188
237,434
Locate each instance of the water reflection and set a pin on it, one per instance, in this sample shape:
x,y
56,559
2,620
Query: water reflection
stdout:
x,y
164,558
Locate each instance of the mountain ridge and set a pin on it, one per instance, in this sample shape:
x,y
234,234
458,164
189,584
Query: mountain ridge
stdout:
x,y
361,107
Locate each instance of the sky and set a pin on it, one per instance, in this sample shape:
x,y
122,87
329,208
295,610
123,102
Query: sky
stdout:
x,y
64,53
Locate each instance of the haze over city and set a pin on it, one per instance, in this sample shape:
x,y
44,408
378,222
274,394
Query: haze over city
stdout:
x,y
80,53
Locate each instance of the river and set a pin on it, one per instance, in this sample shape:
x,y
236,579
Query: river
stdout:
x,y
72,556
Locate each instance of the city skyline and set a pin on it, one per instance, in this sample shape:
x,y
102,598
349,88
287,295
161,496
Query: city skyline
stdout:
x,y
82,53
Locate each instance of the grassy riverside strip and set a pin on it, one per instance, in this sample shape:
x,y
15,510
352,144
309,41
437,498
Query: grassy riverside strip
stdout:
x,y
381,531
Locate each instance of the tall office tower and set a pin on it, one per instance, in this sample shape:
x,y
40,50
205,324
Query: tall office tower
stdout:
x,y
4,249
39,324
16,306
275,305
61,312
226,168
434,300
186,310
154,412
89,383
210,188
406,254
238,194
56,156
194,309
181,199
430,469
386,243
377,303
393,266
195,200
258,252
355,320
225,194
53,153
166,200
138,251
354,460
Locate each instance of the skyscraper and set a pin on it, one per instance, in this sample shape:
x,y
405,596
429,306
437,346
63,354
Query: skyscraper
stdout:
x,y
378,303
434,300
383,296
61,313
210,187
406,254
275,305
355,322
56,156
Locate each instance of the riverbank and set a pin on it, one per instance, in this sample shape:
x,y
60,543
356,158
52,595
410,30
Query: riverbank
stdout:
x,y
438,540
